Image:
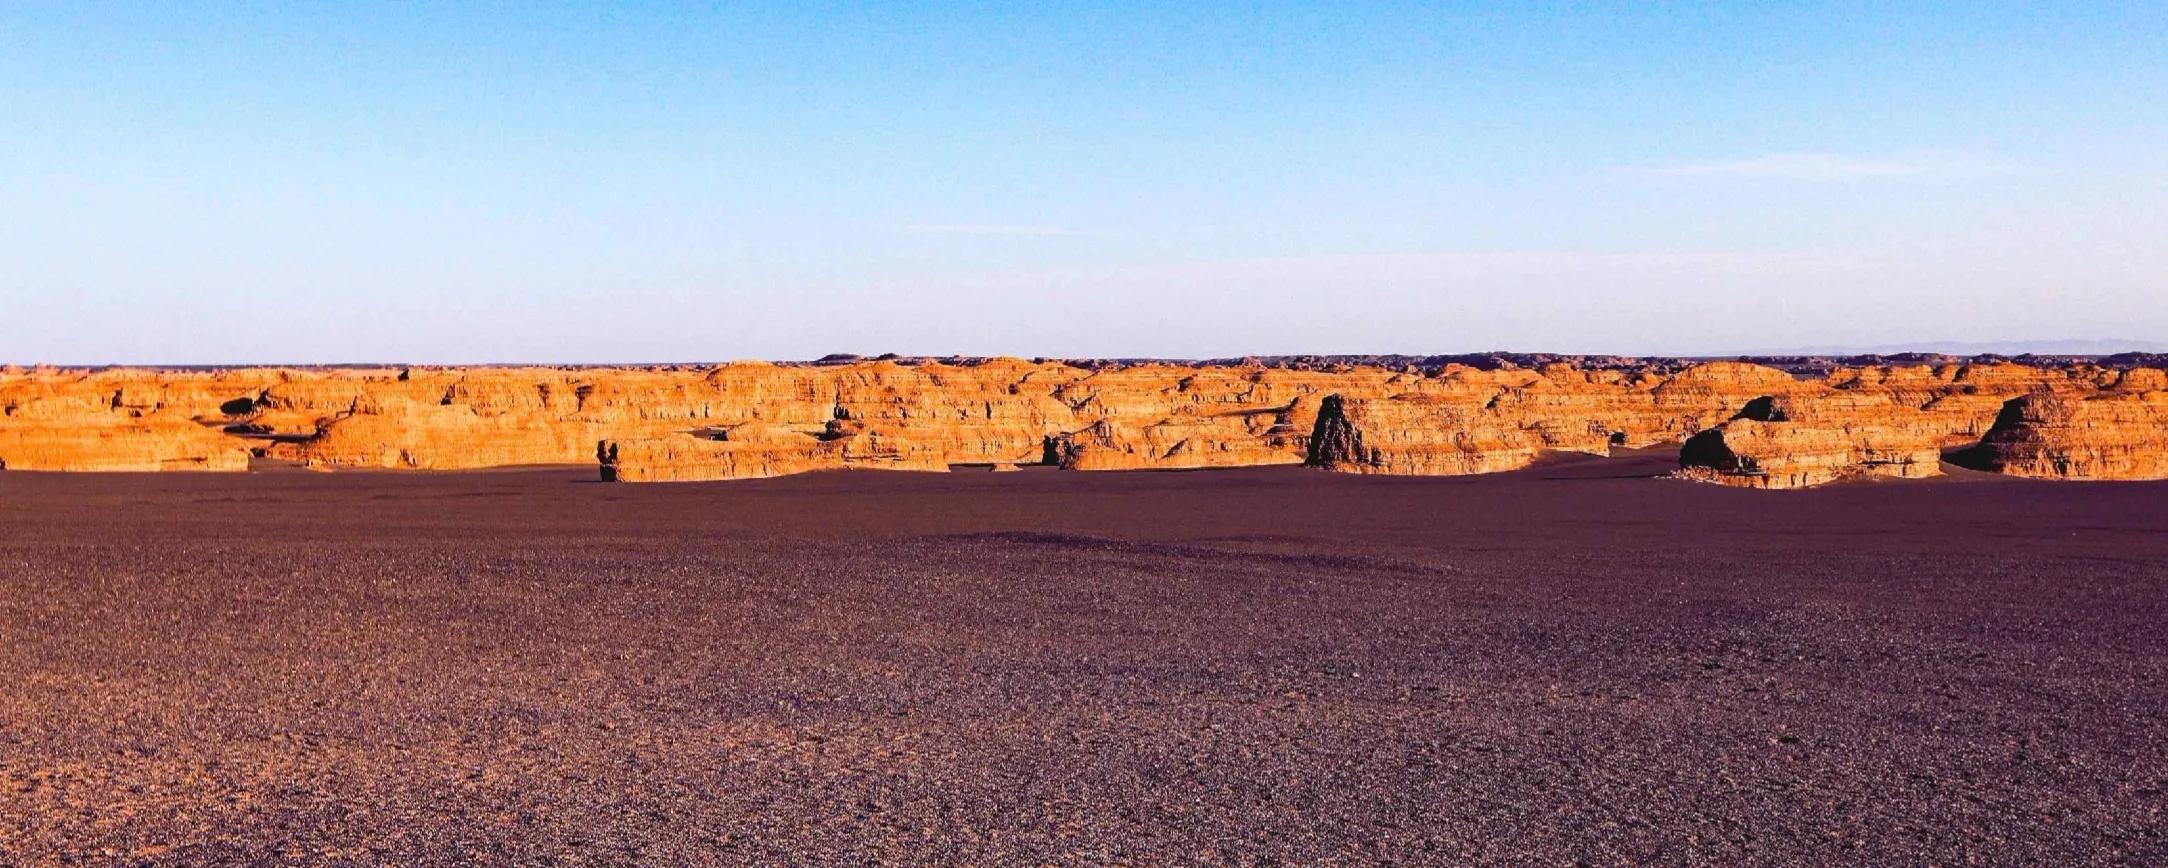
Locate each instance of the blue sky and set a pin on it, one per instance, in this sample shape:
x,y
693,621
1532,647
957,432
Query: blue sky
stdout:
x,y
191,183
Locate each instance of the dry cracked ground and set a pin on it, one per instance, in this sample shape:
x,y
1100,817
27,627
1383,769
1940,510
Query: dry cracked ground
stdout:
x,y
1577,662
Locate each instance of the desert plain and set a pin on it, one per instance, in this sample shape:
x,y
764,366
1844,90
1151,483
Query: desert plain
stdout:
x,y
1581,660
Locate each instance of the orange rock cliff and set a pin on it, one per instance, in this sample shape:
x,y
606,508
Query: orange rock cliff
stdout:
x,y
1738,424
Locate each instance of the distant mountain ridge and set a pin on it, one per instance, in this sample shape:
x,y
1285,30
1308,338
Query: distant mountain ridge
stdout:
x,y
2053,347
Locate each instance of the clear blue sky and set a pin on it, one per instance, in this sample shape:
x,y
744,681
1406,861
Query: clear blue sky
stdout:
x,y
211,183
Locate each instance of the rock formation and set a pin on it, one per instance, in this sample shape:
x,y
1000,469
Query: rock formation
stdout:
x,y
1467,420
1416,436
1801,440
756,450
1745,424
104,422
2115,434
152,442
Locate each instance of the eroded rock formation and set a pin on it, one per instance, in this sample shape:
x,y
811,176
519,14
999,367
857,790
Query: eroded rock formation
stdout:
x,y
108,422
1801,440
1745,424
2114,434
155,442
1417,435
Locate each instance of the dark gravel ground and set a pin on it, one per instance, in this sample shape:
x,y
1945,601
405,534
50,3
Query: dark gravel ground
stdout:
x,y
1570,663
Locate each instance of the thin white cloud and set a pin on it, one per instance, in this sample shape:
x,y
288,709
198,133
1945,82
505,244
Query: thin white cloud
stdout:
x,y
1008,229
1837,167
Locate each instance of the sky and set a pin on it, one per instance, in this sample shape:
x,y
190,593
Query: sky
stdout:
x,y
186,183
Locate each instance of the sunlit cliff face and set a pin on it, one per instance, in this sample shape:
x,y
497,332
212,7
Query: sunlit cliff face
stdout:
x,y
1740,424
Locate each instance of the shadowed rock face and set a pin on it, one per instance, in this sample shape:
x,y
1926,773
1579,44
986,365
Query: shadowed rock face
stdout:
x,y
2117,434
1801,440
1751,425
1335,440
1417,435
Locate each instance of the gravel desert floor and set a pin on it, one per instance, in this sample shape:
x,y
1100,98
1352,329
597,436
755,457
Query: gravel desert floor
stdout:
x,y
1576,662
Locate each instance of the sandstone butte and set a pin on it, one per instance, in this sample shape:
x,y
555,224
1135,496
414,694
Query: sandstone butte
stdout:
x,y
1738,424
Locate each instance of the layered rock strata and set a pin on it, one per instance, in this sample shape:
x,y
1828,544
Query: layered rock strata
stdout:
x,y
1413,435
1801,440
1750,424
110,422
155,442
2112,435
757,450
